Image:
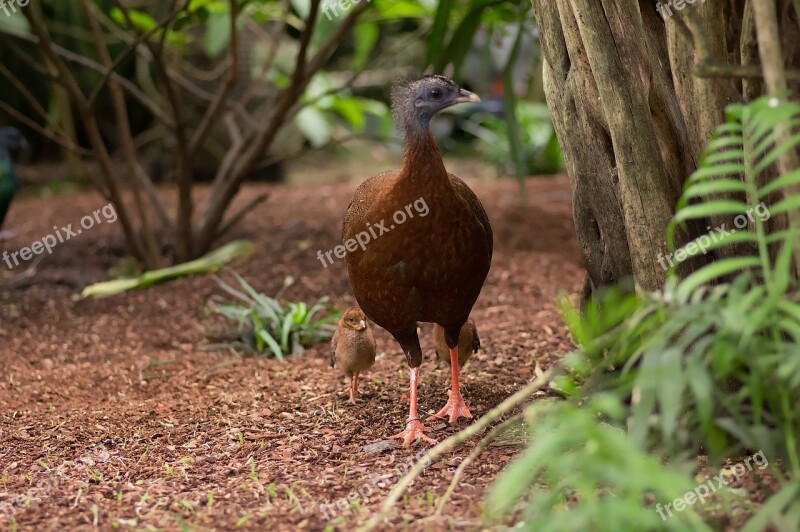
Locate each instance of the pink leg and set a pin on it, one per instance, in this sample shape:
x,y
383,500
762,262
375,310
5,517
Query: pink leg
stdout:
x,y
414,427
455,406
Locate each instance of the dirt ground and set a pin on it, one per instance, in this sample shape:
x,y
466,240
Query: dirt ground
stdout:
x,y
112,414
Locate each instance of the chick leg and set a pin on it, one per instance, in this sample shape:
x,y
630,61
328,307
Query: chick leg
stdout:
x,y
353,388
414,427
455,406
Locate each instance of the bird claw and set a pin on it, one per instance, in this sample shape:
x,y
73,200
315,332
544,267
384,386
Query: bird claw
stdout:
x,y
414,430
455,408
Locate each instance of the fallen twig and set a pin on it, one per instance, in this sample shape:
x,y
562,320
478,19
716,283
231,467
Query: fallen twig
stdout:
x,y
494,433
454,440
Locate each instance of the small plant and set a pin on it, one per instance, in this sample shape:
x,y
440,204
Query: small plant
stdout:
x,y
267,326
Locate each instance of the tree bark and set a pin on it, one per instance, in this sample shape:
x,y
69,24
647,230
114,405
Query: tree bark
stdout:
x,y
632,116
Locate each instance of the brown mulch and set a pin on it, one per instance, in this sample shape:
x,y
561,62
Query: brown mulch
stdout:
x,y
112,414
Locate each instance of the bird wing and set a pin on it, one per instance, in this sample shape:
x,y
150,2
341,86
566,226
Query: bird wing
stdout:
x,y
475,207
334,341
363,197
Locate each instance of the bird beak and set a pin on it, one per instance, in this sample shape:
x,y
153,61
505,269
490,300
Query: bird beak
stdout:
x,y
464,96
362,325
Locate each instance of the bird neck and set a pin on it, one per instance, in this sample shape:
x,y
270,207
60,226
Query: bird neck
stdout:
x,y
422,158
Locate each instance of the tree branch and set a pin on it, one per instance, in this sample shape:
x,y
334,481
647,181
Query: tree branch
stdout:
x,y
219,100
64,143
713,69
131,47
183,233
152,254
769,48
47,48
237,217
93,65
303,73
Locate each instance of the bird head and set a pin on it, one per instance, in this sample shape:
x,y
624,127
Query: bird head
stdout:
x,y
415,103
12,140
354,318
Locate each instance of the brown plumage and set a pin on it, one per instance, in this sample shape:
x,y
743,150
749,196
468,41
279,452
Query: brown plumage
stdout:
x,y
419,267
468,343
353,347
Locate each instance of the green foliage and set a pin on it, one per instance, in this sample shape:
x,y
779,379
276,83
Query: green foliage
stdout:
x,y
455,28
540,151
714,368
582,456
326,108
277,329
744,145
455,25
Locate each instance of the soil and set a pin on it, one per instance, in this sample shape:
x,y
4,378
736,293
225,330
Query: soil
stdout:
x,y
113,414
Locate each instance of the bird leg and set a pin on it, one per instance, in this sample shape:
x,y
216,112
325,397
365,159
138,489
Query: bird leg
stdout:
x,y
353,388
414,427
455,406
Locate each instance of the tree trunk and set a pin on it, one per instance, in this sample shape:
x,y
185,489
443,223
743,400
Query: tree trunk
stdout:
x,y
633,116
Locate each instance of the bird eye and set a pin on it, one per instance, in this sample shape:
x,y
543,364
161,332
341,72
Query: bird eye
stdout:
x,y
436,93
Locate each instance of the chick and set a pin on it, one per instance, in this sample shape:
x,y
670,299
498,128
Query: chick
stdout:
x,y
353,347
468,343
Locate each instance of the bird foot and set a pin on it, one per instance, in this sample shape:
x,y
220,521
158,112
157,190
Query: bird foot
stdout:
x,y
455,408
414,430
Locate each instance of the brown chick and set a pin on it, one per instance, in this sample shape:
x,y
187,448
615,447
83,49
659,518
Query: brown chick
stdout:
x,y
353,347
468,343
421,265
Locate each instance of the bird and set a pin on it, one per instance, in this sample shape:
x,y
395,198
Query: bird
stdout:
x,y
353,347
11,142
468,343
427,269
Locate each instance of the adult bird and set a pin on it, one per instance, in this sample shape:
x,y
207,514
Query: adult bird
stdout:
x,y
11,141
419,269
